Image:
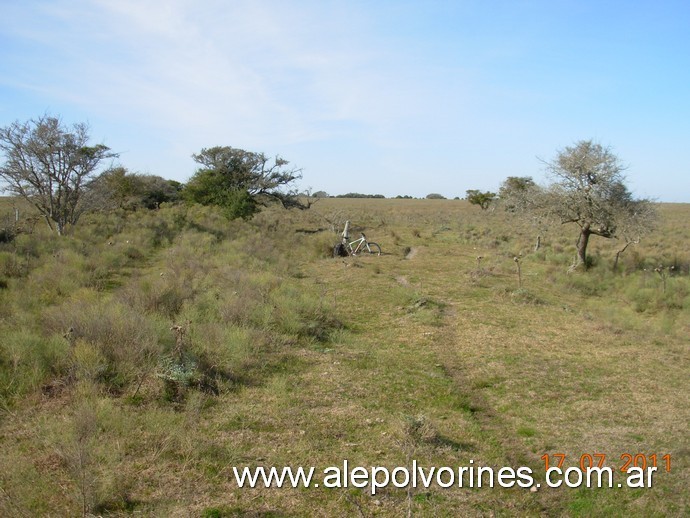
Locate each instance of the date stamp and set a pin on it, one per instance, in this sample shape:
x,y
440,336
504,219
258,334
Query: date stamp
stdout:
x,y
590,469
598,460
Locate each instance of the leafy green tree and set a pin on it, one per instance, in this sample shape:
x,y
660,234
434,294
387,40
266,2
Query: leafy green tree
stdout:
x,y
242,181
483,199
435,196
115,188
51,165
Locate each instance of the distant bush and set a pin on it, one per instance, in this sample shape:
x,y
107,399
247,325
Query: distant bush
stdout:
x,y
483,199
435,196
359,195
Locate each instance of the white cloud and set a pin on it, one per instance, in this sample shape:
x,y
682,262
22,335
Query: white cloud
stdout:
x,y
244,69
256,74
369,88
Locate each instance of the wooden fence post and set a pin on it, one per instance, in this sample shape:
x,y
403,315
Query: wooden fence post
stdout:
x,y
346,232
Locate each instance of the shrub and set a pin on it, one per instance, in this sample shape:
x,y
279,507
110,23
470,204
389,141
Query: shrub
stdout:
x,y
54,280
591,284
126,341
483,199
155,294
27,360
11,265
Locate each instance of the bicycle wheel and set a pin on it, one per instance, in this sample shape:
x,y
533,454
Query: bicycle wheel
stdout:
x,y
373,249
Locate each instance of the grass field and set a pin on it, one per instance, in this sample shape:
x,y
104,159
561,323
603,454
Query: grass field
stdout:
x,y
146,355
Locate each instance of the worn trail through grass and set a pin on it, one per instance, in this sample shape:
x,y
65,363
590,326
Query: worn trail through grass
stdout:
x,y
504,375
402,360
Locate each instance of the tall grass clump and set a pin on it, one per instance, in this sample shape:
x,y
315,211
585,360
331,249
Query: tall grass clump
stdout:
x,y
113,342
594,283
55,279
303,313
651,295
28,360
11,265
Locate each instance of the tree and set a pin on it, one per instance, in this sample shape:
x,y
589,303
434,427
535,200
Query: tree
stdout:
x,y
516,191
483,199
360,195
435,196
589,191
241,181
118,188
50,165
156,190
516,183
520,195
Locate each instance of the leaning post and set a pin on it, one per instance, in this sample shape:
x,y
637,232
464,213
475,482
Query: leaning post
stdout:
x,y
346,232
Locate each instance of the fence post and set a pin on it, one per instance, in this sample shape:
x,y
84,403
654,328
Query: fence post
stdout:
x,y
346,232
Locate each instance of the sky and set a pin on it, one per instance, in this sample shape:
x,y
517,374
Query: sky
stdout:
x,y
387,97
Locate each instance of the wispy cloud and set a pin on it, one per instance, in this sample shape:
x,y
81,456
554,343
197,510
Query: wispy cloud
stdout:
x,y
248,73
467,92
256,69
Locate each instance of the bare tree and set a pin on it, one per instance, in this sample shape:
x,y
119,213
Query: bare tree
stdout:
x,y
517,192
522,196
589,190
50,165
631,229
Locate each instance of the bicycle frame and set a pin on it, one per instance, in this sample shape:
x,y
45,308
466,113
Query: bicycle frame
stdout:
x,y
359,242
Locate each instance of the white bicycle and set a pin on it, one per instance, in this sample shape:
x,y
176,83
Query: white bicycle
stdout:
x,y
362,246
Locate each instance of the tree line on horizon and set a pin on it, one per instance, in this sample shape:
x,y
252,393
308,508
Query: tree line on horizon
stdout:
x,y
53,167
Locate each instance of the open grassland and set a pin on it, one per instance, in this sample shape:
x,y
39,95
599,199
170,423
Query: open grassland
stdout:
x,y
146,354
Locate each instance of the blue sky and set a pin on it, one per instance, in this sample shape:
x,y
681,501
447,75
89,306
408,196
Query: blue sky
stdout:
x,y
390,97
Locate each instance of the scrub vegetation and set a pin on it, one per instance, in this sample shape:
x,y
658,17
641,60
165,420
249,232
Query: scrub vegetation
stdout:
x,y
149,350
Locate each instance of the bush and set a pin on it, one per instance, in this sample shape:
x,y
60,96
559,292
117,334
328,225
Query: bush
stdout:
x,y
643,299
10,265
593,283
27,360
118,342
54,280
